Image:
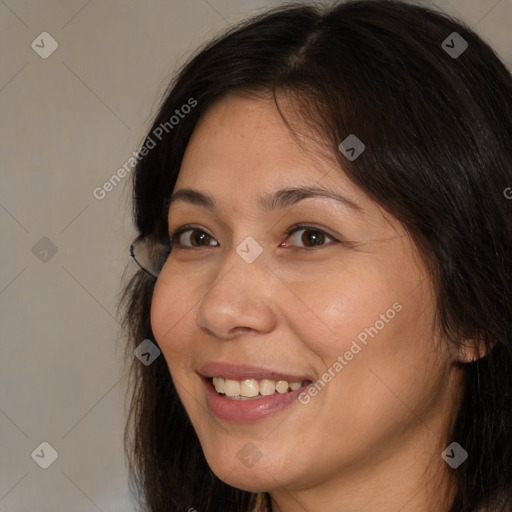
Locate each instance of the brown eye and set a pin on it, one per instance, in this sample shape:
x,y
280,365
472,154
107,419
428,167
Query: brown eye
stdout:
x,y
311,236
314,237
201,238
196,238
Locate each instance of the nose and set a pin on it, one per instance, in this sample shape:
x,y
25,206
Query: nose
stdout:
x,y
240,298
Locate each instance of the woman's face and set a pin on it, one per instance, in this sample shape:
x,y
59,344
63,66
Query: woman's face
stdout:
x,y
344,307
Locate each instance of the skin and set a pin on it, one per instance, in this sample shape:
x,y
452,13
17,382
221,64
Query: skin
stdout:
x,y
372,438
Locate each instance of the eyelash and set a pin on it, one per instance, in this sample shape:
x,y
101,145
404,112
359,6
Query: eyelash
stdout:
x,y
292,229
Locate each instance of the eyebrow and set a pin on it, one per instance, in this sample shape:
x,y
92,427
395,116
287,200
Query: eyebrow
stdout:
x,y
280,199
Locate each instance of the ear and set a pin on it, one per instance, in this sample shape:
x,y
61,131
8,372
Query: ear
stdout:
x,y
470,351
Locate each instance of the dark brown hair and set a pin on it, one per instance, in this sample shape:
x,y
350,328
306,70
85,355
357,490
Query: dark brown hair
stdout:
x,y
437,130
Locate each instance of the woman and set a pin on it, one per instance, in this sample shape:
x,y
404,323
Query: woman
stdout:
x,y
325,243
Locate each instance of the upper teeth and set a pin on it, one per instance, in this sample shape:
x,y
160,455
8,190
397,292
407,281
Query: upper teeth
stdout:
x,y
251,387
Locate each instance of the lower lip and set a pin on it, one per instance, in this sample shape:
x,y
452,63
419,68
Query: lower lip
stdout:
x,y
247,411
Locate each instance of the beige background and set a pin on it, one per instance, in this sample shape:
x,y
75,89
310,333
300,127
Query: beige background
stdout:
x,y
67,124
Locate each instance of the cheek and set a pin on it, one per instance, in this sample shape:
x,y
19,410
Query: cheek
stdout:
x,y
169,316
386,345
337,308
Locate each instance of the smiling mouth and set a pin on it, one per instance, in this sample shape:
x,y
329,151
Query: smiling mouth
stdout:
x,y
253,389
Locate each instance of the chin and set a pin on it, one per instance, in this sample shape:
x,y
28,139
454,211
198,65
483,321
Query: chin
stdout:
x,y
244,472
250,480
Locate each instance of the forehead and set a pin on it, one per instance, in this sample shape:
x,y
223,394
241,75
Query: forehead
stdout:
x,y
243,145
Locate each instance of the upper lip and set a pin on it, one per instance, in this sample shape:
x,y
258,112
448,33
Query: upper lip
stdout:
x,y
243,372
